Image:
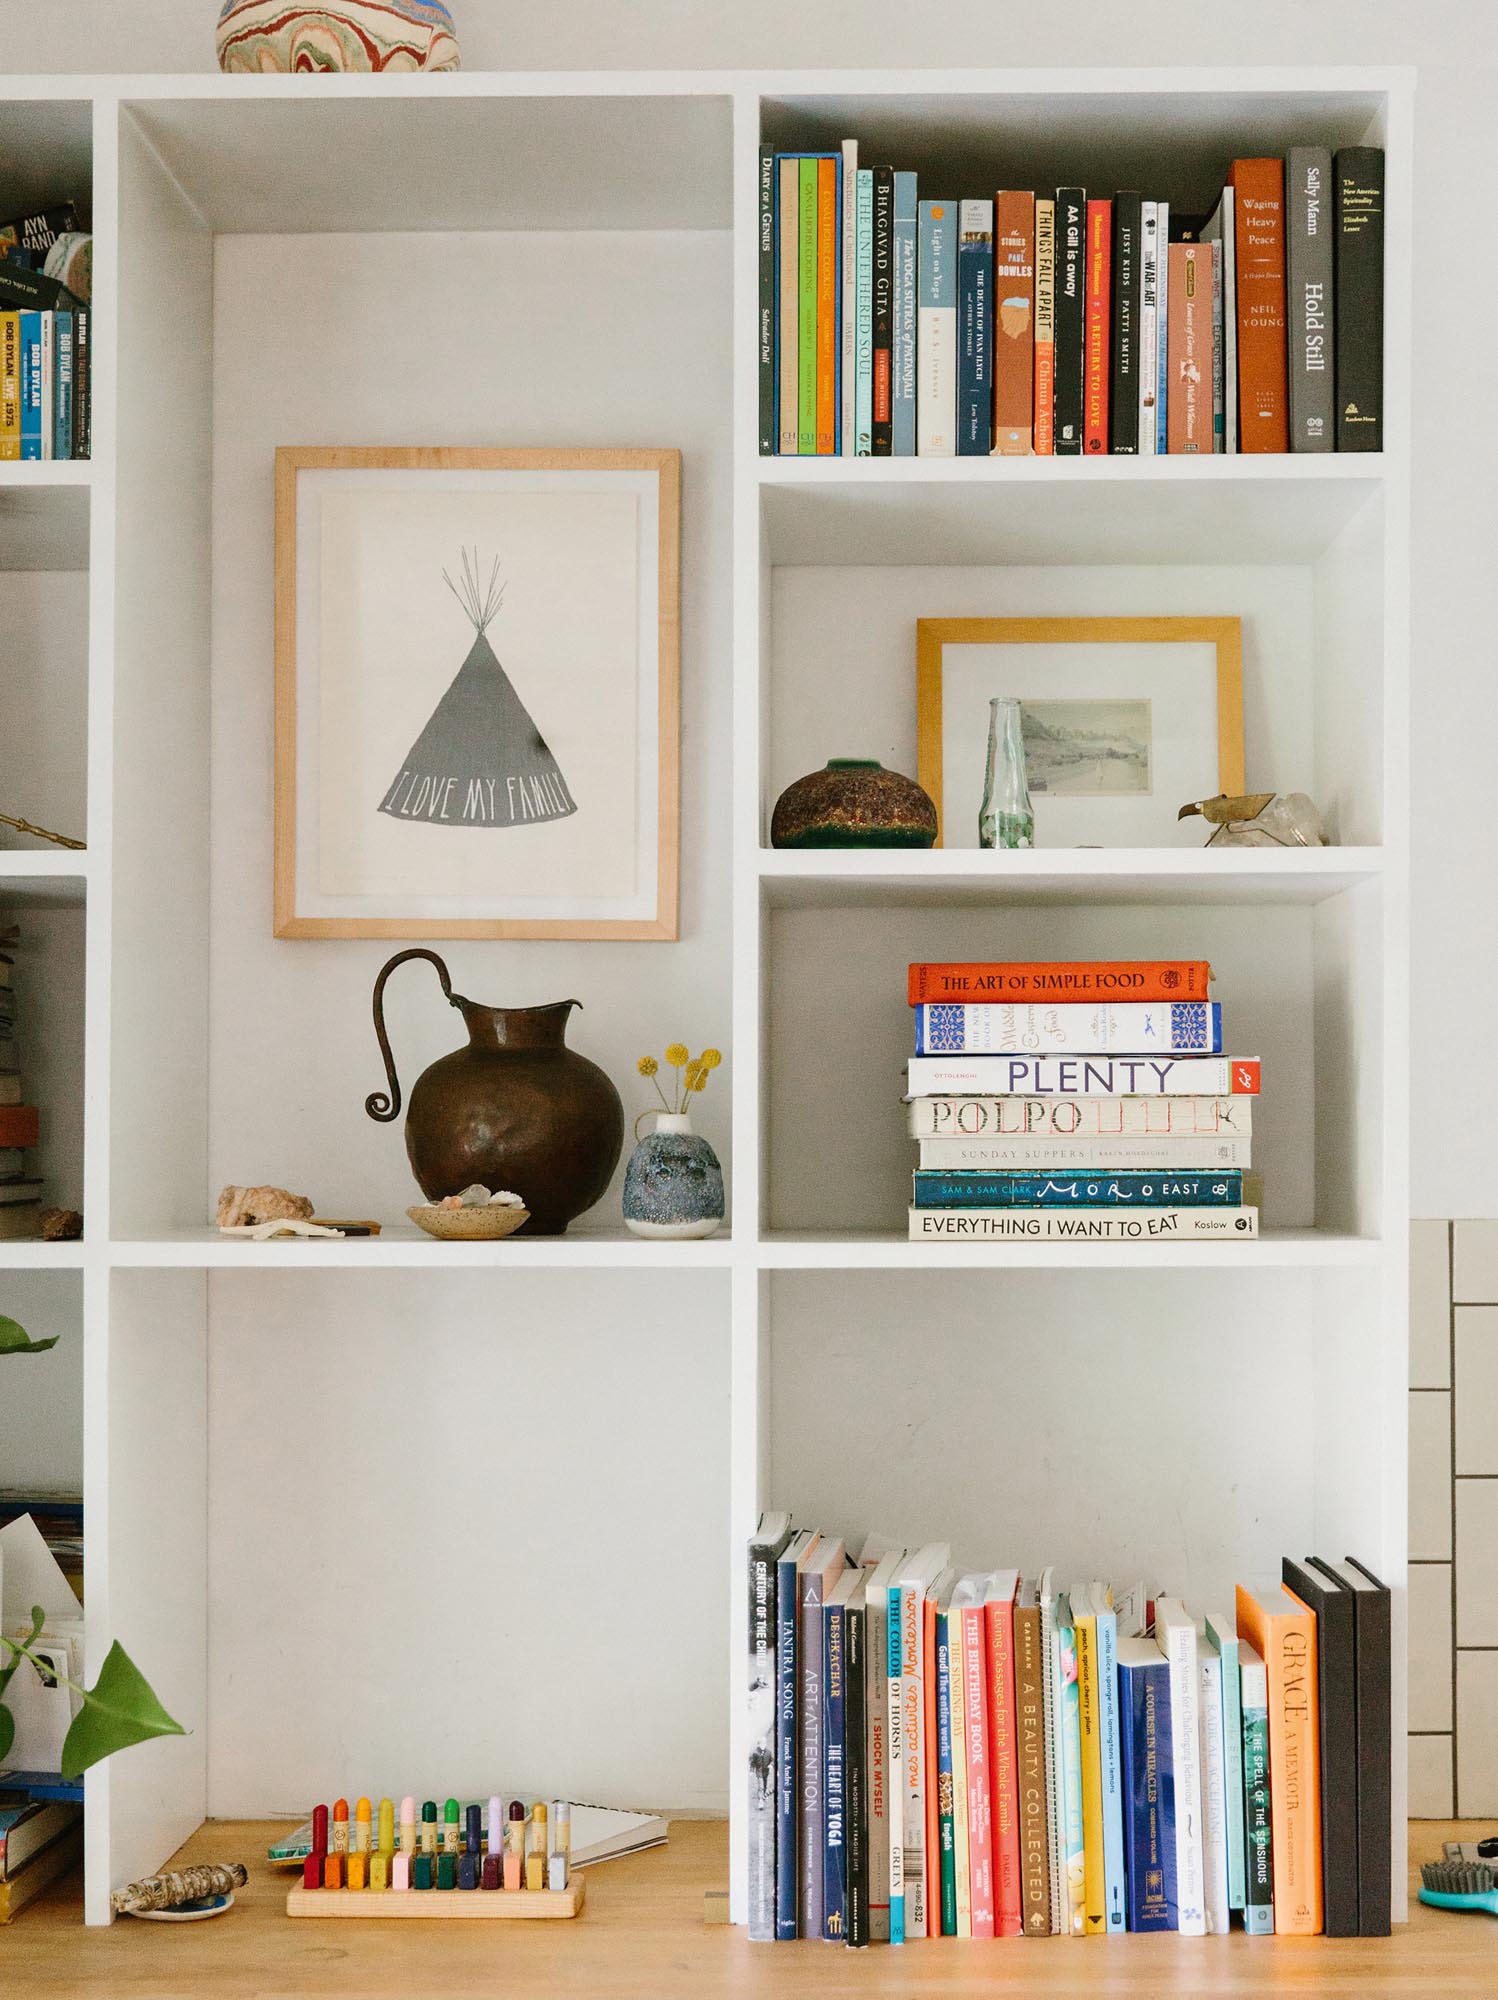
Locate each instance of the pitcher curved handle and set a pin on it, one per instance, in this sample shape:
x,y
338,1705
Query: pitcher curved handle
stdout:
x,y
377,1104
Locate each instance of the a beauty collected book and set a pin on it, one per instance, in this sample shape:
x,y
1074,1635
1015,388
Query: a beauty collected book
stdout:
x,y
599,1833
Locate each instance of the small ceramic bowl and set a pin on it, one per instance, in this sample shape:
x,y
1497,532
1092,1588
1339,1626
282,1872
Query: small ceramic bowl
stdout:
x,y
469,1225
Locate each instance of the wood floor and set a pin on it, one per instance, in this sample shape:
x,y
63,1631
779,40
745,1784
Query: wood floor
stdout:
x,y
643,1938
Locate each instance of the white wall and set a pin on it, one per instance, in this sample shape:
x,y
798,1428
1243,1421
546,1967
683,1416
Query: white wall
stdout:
x,y
41,1395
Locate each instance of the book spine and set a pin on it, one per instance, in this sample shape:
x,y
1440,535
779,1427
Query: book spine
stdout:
x,y
946,1811
855,1771
1083,1076
1085,1225
787,1820
1030,1778
936,331
762,1696
980,1780
1149,294
914,1745
834,1859
1045,329
1174,979
1050,1156
767,382
1144,1723
986,1027
863,340
895,1787
1189,333
63,433
1014,323
1337,1743
961,1848
1259,247
1225,277
31,385
1185,1738
1258,1909
806,308
1048,1118
1071,317
1071,1765
904,318
1219,352
1005,1832
932,1793
1110,1758
848,302
1123,388
1359,294
1162,328
1374,1611
827,291
974,329
787,303
936,1189
1099,313
810,1664
1214,1792
1308,249
1094,1892
10,386
876,1764
1232,1766
884,301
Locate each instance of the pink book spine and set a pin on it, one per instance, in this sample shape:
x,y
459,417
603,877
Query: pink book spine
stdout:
x,y
1004,1765
979,1803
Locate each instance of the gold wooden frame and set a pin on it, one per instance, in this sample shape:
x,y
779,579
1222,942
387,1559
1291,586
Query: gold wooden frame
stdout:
x,y
933,634
290,461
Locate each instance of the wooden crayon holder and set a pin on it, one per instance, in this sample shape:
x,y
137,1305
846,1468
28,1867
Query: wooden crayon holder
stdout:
x,y
497,1905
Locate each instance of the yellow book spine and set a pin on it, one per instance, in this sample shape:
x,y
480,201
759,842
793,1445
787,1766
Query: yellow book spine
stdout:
x,y
1095,1891
10,385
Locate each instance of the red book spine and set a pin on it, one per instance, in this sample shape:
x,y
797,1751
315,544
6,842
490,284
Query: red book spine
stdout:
x,y
1004,1768
975,1702
1259,243
20,1125
1099,309
1084,982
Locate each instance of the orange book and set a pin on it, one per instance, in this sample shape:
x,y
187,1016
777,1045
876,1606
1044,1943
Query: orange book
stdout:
x,y
1280,1628
1188,347
1013,322
1259,253
1097,327
827,234
1083,983
19,1125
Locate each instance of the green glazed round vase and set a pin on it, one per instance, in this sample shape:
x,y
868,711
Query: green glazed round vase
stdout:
x,y
854,802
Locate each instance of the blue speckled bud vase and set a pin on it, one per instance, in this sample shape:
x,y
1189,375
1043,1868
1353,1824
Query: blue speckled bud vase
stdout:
x,y
673,1185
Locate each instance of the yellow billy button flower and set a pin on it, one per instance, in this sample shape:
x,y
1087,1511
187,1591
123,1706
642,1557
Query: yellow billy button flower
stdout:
x,y
677,1054
710,1058
647,1065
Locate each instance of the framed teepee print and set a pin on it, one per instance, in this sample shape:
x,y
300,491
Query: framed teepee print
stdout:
x,y
477,710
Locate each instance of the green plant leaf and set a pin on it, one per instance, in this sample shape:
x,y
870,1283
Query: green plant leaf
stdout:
x,y
118,1710
14,1339
7,1731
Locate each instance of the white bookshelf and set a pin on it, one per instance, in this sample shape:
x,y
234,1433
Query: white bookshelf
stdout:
x,y
250,237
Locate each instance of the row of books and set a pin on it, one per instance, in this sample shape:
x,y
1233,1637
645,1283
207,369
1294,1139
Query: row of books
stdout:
x,y
1070,323
1046,1108
46,339
40,1839
20,1191
979,1755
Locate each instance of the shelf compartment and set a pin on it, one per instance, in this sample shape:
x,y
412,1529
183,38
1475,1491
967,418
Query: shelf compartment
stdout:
x,y
44,522
854,1250
403,1247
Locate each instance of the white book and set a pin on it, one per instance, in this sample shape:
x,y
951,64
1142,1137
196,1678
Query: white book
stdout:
x,y
849,343
1175,1635
1051,1156
957,1678
1220,230
936,330
1053,1117
877,1789
1055,1763
907,1601
1149,297
1214,1786
1083,1225
1082,1076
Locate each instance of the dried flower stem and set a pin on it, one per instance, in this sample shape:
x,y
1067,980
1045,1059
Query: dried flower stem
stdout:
x,y
41,833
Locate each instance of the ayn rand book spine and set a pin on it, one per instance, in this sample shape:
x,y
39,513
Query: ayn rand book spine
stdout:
x,y
903,346
1123,389
1084,1225
1071,313
1359,172
935,1189
1014,323
936,324
1084,1076
1310,213
884,307
974,329
1045,329
1177,1027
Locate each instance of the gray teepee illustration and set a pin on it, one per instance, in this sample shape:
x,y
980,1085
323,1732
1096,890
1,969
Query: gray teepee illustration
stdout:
x,y
480,761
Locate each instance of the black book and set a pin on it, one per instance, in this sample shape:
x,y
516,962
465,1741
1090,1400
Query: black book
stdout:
x,y
1071,319
855,1770
766,301
32,291
884,310
1372,1651
1336,1690
1308,296
1358,175
1123,387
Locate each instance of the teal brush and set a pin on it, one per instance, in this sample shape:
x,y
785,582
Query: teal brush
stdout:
x,y
1459,1885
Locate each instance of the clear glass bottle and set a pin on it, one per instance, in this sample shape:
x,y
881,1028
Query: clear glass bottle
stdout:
x,y
1006,818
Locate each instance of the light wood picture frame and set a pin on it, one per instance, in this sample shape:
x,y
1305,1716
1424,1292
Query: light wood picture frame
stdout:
x,y
1200,715
432,784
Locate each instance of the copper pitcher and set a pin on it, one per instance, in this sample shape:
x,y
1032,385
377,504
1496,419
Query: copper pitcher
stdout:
x,y
515,1109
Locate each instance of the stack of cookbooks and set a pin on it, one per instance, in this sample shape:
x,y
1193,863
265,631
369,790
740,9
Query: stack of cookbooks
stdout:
x,y
1089,1101
20,1192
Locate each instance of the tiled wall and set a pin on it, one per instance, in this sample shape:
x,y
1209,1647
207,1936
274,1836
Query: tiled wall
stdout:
x,y
1453,1588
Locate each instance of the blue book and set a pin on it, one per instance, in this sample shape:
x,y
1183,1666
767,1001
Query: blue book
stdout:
x,y
863,308
1162,328
951,1187
903,347
62,423
1148,1785
974,329
836,1833
31,385
895,1778
1111,1749
787,1789
1223,1635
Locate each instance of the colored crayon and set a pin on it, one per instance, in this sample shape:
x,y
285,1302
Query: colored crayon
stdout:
x,y
447,1871
491,1871
429,1827
400,1871
340,1827
358,1862
362,1842
408,1826
451,1836
332,1872
535,1848
422,1872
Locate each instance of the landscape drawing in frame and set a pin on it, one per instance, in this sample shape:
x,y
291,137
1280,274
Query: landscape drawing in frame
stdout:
x,y
477,693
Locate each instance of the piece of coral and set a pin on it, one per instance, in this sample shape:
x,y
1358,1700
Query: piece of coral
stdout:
x,y
242,1207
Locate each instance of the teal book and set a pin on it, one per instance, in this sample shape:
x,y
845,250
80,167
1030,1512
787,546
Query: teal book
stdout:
x,y
863,310
1220,1630
1258,1882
